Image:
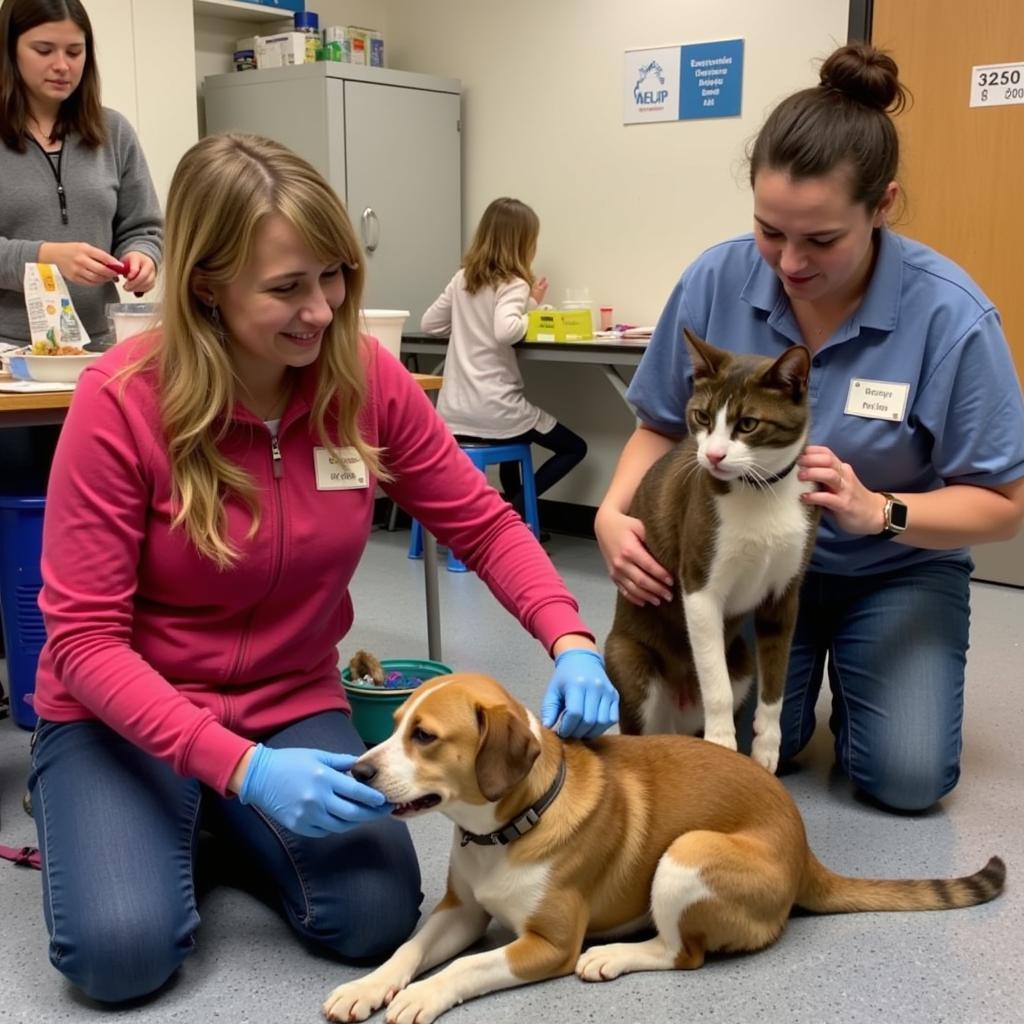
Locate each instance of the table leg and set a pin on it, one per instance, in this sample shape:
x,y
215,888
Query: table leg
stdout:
x,y
616,381
433,602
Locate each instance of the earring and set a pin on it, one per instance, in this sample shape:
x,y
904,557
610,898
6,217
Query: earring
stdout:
x,y
215,316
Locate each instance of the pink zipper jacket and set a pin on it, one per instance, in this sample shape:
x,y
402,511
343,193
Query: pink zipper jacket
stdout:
x,y
190,662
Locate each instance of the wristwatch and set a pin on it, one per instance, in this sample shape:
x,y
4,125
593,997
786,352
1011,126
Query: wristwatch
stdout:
x,y
894,516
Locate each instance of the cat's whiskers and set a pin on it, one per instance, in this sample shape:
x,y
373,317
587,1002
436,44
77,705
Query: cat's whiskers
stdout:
x,y
691,470
759,476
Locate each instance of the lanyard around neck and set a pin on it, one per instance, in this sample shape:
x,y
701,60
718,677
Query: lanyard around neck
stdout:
x,y
57,173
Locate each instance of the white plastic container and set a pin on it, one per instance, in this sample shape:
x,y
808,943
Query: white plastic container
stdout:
x,y
130,318
386,326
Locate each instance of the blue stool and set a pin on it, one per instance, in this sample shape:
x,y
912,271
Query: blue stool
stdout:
x,y
21,541
482,456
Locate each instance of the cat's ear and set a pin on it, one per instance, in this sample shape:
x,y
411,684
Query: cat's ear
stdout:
x,y
789,372
705,359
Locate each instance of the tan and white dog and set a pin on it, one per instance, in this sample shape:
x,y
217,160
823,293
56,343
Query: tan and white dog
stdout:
x,y
561,842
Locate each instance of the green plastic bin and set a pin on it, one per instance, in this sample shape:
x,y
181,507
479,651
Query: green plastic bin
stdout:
x,y
373,708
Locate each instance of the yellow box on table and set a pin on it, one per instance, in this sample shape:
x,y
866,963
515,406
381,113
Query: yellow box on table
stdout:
x,y
560,325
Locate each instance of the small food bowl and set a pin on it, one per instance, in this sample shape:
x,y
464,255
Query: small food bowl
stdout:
x,y
374,706
25,365
130,318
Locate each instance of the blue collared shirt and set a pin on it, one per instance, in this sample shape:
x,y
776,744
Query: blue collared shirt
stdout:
x,y
923,323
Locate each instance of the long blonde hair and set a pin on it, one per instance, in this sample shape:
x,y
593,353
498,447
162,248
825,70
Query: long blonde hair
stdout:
x,y
222,189
502,246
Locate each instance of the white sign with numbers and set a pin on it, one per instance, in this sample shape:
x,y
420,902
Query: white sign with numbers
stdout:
x,y
995,85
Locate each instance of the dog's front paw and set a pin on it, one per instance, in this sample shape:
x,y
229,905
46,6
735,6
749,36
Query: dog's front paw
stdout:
x,y
765,751
356,1000
420,1003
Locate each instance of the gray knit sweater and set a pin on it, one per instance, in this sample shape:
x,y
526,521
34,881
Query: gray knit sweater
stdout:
x,y
111,203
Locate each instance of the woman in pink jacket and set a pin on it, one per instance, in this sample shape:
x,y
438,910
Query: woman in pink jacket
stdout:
x,y
197,553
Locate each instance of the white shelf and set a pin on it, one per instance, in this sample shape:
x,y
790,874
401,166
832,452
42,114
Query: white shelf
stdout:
x,y
239,10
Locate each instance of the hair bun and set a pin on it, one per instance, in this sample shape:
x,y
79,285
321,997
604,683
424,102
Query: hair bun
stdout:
x,y
865,74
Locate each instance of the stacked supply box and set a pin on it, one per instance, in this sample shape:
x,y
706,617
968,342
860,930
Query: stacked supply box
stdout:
x,y
358,45
559,325
281,50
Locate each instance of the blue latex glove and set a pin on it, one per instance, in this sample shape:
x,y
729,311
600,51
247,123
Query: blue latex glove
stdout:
x,y
308,792
582,693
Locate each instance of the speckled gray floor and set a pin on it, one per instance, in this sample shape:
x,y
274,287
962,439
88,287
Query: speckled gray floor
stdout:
x,y
961,967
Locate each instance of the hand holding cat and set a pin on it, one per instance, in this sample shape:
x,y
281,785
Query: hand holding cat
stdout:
x,y
855,508
637,574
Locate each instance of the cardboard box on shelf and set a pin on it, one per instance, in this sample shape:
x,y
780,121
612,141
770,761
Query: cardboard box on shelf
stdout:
x,y
376,50
337,35
281,50
359,44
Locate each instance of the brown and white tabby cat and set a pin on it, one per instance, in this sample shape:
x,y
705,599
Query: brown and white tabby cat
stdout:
x,y
722,512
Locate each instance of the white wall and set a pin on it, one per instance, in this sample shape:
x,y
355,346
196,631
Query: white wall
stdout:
x,y
622,208
364,13
145,51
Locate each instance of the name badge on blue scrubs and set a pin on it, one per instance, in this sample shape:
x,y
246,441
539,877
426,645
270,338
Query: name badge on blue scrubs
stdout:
x,y
877,399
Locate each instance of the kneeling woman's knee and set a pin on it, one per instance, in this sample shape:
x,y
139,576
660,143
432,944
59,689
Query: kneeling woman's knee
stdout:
x,y
911,788
375,904
114,957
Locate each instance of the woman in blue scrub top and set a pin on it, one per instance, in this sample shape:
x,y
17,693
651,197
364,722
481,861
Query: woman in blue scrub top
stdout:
x,y
917,428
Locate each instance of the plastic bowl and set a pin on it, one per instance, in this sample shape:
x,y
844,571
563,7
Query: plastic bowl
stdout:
x,y
373,707
50,369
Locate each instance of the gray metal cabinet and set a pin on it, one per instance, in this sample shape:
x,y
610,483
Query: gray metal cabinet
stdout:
x,y
387,141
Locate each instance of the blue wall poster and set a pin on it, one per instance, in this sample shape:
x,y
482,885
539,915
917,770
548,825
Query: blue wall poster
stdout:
x,y
673,83
711,79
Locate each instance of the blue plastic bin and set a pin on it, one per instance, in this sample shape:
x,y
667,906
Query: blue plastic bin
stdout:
x,y
21,544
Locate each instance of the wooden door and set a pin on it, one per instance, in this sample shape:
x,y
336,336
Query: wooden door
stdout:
x,y
961,165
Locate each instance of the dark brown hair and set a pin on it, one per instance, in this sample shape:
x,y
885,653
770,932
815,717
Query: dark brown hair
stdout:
x,y
502,247
841,123
81,111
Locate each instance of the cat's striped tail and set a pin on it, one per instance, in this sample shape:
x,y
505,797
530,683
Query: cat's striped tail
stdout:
x,y
824,892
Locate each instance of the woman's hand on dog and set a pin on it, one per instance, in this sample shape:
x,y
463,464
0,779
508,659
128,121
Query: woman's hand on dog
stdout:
x,y
638,575
581,693
309,791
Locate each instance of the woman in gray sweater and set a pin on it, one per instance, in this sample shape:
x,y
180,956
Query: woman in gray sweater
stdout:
x,y
76,188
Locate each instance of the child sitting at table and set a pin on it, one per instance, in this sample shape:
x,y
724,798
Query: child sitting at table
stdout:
x,y
484,309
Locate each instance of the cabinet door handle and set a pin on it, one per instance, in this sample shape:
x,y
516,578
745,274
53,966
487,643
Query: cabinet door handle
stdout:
x,y
370,215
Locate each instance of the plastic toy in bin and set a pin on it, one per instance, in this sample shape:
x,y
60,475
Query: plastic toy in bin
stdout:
x,y
376,689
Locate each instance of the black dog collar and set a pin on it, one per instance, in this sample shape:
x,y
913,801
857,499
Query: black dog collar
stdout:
x,y
521,825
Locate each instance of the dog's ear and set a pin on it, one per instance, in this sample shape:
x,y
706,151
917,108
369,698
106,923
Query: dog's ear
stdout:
x,y
506,752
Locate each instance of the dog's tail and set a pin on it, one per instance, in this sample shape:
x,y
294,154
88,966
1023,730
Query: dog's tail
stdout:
x,y
825,892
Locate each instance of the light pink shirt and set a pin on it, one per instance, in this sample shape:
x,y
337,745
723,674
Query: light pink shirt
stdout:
x,y
483,392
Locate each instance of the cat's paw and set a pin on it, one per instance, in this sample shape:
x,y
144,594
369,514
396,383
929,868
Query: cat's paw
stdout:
x,y
724,737
765,751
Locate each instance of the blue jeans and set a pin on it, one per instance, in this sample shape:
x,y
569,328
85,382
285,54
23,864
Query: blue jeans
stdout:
x,y
896,646
118,833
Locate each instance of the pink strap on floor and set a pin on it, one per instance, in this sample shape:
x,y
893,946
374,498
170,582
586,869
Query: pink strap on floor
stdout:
x,y
27,856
